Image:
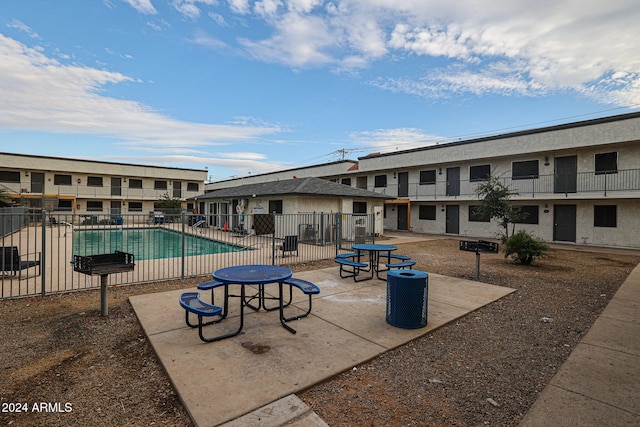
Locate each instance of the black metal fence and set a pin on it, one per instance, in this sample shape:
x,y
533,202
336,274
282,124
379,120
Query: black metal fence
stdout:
x,y
165,245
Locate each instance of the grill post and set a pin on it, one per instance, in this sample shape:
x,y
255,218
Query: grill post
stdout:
x,y
104,295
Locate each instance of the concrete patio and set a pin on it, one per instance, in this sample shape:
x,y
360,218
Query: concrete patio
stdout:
x,y
251,379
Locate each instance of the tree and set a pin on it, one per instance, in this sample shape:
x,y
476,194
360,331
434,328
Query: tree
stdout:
x,y
4,198
494,203
168,202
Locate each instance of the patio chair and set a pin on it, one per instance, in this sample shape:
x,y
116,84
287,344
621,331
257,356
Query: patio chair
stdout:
x,y
13,263
290,244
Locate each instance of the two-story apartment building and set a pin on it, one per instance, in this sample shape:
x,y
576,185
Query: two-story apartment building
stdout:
x,y
77,186
577,182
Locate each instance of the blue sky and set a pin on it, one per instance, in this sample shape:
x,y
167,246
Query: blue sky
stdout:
x,y
244,87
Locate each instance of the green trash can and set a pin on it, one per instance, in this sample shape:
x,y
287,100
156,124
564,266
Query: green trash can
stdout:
x,y
407,298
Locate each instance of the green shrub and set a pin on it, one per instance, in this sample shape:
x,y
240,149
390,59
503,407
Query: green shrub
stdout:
x,y
523,247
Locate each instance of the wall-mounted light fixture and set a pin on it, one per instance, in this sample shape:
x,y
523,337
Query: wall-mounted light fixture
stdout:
x,y
26,173
440,171
546,160
394,175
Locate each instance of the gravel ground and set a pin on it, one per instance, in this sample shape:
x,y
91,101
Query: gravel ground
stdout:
x,y
484,369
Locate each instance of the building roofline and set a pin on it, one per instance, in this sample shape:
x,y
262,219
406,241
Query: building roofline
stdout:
x,y
590,122
289,170
79,159
295,186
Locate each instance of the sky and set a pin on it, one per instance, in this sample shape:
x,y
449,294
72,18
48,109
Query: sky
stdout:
x,y
242,87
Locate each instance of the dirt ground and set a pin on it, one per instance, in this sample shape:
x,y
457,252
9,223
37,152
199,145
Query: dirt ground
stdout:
x,y
62,364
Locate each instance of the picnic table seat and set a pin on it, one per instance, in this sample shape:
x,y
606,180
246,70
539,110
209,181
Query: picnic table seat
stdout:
x,y
401,265
350,268
211,285
192,303
307,288
394,256
347,255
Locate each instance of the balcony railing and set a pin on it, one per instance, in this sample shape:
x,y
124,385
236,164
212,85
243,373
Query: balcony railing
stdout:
x,y
89,192
584,183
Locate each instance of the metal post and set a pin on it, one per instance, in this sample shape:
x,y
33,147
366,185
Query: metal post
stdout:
x,y
183,243
43,256
477,264
104,295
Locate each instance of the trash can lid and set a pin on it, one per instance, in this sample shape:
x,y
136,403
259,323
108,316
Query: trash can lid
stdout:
x,y
408,274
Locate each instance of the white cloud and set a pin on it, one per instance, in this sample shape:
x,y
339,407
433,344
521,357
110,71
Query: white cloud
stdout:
x,y
239,6
190,8
502,46
42,94
267,7
385,140
204,39
18,25
300,41
142,6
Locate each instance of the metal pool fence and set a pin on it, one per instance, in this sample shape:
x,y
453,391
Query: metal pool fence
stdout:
x,y
166,246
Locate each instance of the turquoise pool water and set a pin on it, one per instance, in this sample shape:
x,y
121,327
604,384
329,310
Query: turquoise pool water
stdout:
x,y
146,243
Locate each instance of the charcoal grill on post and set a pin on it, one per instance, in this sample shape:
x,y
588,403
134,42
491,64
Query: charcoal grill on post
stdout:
x,y
478,247
103,265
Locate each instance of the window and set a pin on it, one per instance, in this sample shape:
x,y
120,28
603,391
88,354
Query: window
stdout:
x,y
9,176
605,216
93,206
135,183
62,179
160,185
479,173
476,216
529,214
606,163
94,181
359,207
361,182
346,181
193,186
525,170
135,206
428,177
427,212
65,205
275,206
380,181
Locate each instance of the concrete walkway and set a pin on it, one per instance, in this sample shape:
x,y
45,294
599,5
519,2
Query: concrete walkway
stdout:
x,y
599,384
255,375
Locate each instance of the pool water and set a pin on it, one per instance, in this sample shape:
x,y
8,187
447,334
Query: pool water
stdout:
x,y
146,243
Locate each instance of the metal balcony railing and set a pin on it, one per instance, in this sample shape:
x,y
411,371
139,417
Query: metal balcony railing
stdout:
x,y
91,192
592,184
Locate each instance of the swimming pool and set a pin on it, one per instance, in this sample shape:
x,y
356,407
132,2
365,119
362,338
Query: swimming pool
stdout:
x,y
146,243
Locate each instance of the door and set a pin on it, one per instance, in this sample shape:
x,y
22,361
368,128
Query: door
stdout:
x,y
566,174
116,186
403,184
115,207
403,217
453,219
453,181
37,182
564,223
